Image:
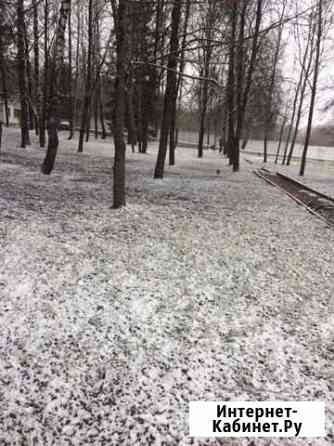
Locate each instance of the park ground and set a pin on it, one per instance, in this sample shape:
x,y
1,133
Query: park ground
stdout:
x,y
208,285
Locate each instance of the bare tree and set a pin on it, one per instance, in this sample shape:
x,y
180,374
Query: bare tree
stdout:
x,y
21,61
85,117
210,19
42,121
4,77
268,118
121,24
54,101
170,97
314,85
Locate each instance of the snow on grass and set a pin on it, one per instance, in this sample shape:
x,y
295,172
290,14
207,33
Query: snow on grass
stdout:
x,y
319,175
204,287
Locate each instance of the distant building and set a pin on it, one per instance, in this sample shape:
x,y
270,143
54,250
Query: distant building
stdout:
x,y
14,111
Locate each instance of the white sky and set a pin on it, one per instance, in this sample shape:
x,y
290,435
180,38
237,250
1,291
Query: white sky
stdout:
x,y
325,91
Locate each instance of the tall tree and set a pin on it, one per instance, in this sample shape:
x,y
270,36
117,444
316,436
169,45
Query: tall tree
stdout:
x,y
42,121
170,97
54,101
314,86
248,82
37,95
88,85
4,76
121,25
207,53
231,87
269,113
70,74
21,65
305,75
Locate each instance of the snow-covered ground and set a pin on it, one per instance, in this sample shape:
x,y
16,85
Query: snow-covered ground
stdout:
x,y
318,175
207,286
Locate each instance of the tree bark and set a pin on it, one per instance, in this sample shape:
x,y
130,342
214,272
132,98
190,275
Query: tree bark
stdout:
x,y
182,67
170,90
280,139
268,118
31,117
314,89
248,82
70,75
43,118
121,22
306,73
88,87
4,79
240,83
77,68
25,140
231,85
204,96
37,95
53,114
103,127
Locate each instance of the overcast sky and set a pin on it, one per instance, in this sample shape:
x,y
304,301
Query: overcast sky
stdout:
x,y
325,92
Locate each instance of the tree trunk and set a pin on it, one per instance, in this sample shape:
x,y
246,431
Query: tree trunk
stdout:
x,y
43,118
306,73
88,87
132,137
240,82
204,97
103,127
314,89
130,106
172,137
96,115
121,22
248,82
4,80
182,67
170,90
203,109
268,118
158,38
25,140
70,75
280,139
57,62
31,117
231,86
291,123
77,68
37,95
